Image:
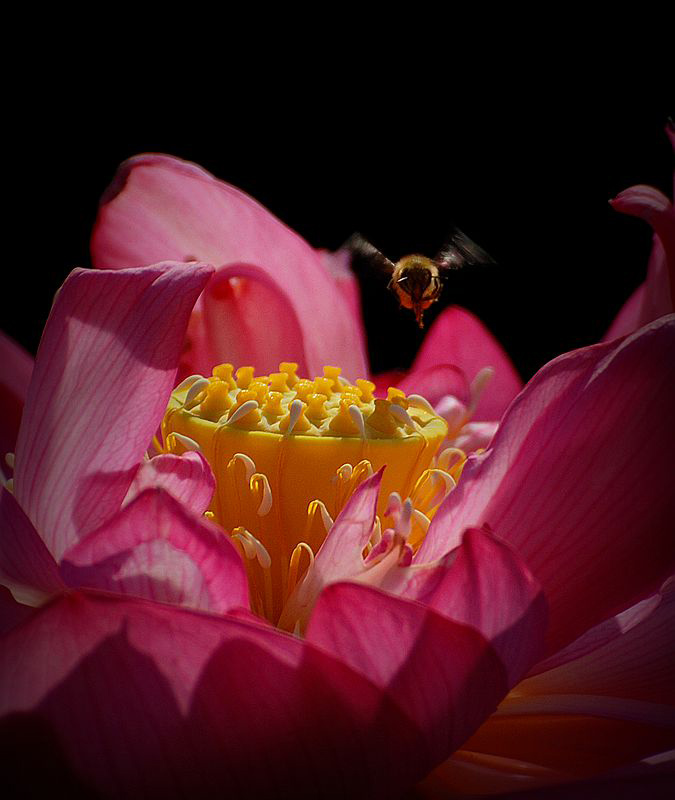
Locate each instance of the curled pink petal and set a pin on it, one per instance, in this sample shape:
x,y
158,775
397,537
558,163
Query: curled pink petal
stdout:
x,y
589,511
26,566
249,319
154,549
187,477
102,378
17,368
160,207
457,337
655,208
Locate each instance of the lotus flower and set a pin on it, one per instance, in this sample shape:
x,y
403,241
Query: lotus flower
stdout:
x,y
403,651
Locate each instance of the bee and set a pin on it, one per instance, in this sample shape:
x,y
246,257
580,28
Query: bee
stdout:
x,y
416,280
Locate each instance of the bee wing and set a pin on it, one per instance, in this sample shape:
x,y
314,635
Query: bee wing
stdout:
x,y
459,250
362,250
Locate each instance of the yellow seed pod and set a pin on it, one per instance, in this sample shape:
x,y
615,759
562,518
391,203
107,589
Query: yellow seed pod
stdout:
x,y
367,388
273,407
295,421
290,368
324,386
244,376
260,388
316,410
395,395
343,423
303,388
381,420
333,373
216,402
224,372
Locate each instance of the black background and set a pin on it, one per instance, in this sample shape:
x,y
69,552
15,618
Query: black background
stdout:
x,y
529,183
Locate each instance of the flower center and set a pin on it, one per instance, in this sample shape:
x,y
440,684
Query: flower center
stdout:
x,y
287,453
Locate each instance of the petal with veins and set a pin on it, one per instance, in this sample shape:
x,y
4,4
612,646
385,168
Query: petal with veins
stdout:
x,y
144,699
27,568
590,512
153,548
102,379
187,477
160,207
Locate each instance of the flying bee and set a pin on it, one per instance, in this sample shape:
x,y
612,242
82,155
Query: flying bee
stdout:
x,y
416,280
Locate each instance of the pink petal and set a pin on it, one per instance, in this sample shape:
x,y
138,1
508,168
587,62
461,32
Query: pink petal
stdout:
x,y
102,378
458,338
485,585
143,699
340,556
26,566
160,207
11,612
338,264
655,208
155,549
188,478
253,322
443,674
17,367
637,664
579,481
649,301
435,382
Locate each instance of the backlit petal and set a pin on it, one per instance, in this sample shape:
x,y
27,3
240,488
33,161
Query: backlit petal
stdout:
x,y
588,509
153,548
483,584
160,207
187,477
443,674
655,208
458,338
27,568
102,378
249,319
143,699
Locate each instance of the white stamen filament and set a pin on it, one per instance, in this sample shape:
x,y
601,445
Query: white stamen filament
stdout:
x,y
9,460
247,461
417,401
295,410
242,411
401,415
478,385
188,382
357,418
188,444
198,386
266,503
